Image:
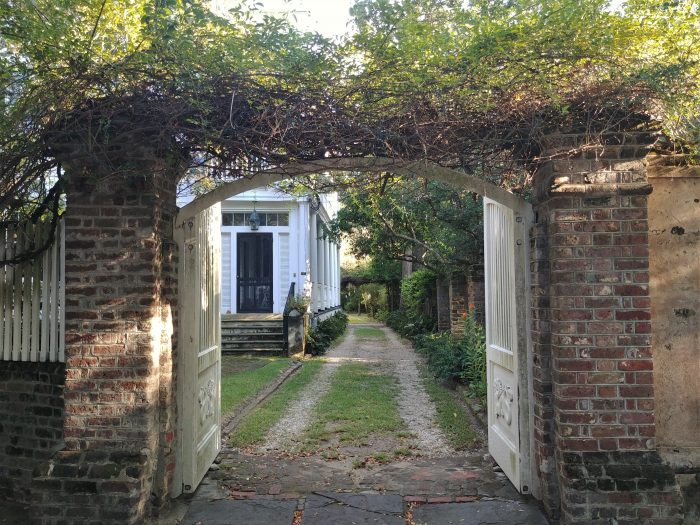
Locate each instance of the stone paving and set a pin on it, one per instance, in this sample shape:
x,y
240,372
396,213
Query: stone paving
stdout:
x,y
470,474
367,508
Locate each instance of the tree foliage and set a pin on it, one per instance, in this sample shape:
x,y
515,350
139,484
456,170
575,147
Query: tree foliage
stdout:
x,y
413,220
104,88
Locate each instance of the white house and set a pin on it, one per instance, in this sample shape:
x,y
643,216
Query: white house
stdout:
x,y
287,245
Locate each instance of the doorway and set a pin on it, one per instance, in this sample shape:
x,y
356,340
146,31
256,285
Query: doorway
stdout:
x,y
254,272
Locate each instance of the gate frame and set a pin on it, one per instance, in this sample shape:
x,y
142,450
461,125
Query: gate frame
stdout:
x,y
429,170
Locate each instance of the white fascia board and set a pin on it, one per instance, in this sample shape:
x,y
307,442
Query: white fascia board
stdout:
x,y
263,194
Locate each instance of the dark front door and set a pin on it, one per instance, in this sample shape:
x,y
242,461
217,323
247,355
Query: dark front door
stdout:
x,y
254,272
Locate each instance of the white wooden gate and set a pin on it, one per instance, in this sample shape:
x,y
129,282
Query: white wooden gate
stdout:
x,y
506,269
199,340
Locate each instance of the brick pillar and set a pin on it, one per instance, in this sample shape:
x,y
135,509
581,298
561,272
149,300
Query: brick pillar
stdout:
x,y
458,303
442,287
544,456
476,293
119,401
592,291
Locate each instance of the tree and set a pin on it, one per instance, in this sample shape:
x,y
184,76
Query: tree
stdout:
x,y
88,86
82,78
413,220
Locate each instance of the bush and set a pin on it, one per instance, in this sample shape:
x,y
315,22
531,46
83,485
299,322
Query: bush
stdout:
x,y
458,359
298,302
320,338
370,297
411,319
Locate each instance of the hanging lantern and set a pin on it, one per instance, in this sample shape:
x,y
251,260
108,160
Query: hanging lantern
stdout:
x,y
254,219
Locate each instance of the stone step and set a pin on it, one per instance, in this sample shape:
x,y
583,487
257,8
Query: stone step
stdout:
x,y
252,336
257,344
252,331
253,351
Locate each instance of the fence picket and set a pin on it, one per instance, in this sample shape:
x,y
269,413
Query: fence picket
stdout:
x,y
36,298
26,321
53,308
17,299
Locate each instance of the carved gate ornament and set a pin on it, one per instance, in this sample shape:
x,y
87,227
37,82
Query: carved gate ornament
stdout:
x,y
206,401
504,401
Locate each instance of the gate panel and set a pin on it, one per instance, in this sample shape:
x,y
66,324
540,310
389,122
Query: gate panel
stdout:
x,y
199,337
507,336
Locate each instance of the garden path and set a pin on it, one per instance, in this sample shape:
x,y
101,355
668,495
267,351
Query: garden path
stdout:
x,y
285,466
381,349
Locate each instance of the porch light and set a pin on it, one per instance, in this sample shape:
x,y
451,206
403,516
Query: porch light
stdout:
x,y
254,219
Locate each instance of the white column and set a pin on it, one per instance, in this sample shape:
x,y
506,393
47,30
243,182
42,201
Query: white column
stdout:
x,y
313,263
328,272
321,267
334,284
337,277
331,276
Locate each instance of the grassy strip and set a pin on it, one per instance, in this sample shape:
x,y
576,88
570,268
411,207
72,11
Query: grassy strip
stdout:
x,y
452,415
360,402
255,426
236,388
359,318
363,333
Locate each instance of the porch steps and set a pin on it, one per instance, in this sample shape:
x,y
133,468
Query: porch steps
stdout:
x,y
247,335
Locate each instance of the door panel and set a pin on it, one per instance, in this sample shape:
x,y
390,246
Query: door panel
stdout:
x,y
254,272
502,338
199,280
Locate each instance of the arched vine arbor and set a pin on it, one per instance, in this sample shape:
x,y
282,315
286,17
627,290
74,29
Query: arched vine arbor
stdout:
x,y
119,160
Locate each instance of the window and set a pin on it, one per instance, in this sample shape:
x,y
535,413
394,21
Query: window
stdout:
x,y
266,218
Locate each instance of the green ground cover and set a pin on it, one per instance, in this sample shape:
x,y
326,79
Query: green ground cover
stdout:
x,y
359,318
255,425
452,415
363,333
243,377
361,402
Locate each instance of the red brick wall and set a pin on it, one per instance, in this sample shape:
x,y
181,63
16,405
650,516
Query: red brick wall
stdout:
x,y
466,292
31,422
119,403
591,289
543,431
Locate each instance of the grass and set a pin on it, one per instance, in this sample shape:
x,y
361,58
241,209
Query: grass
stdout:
x,y
359,403
255,426
237,387
359,318
368,333
452,415
235,364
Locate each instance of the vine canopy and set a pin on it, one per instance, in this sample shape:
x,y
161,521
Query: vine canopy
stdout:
x,y
108,86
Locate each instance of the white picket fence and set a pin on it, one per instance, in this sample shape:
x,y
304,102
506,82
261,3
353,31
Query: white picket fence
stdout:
x,y
32,296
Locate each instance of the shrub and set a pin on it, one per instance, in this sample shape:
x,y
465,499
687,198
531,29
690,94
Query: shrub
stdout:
x,y
320,338
458,359
298,302
474,347
411,319
371,297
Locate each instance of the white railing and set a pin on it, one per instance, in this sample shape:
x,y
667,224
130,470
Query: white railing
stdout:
x,y
32,295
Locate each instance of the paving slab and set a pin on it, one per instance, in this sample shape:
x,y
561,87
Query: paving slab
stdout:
x,y
240,512
13,513
353,509
493,512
